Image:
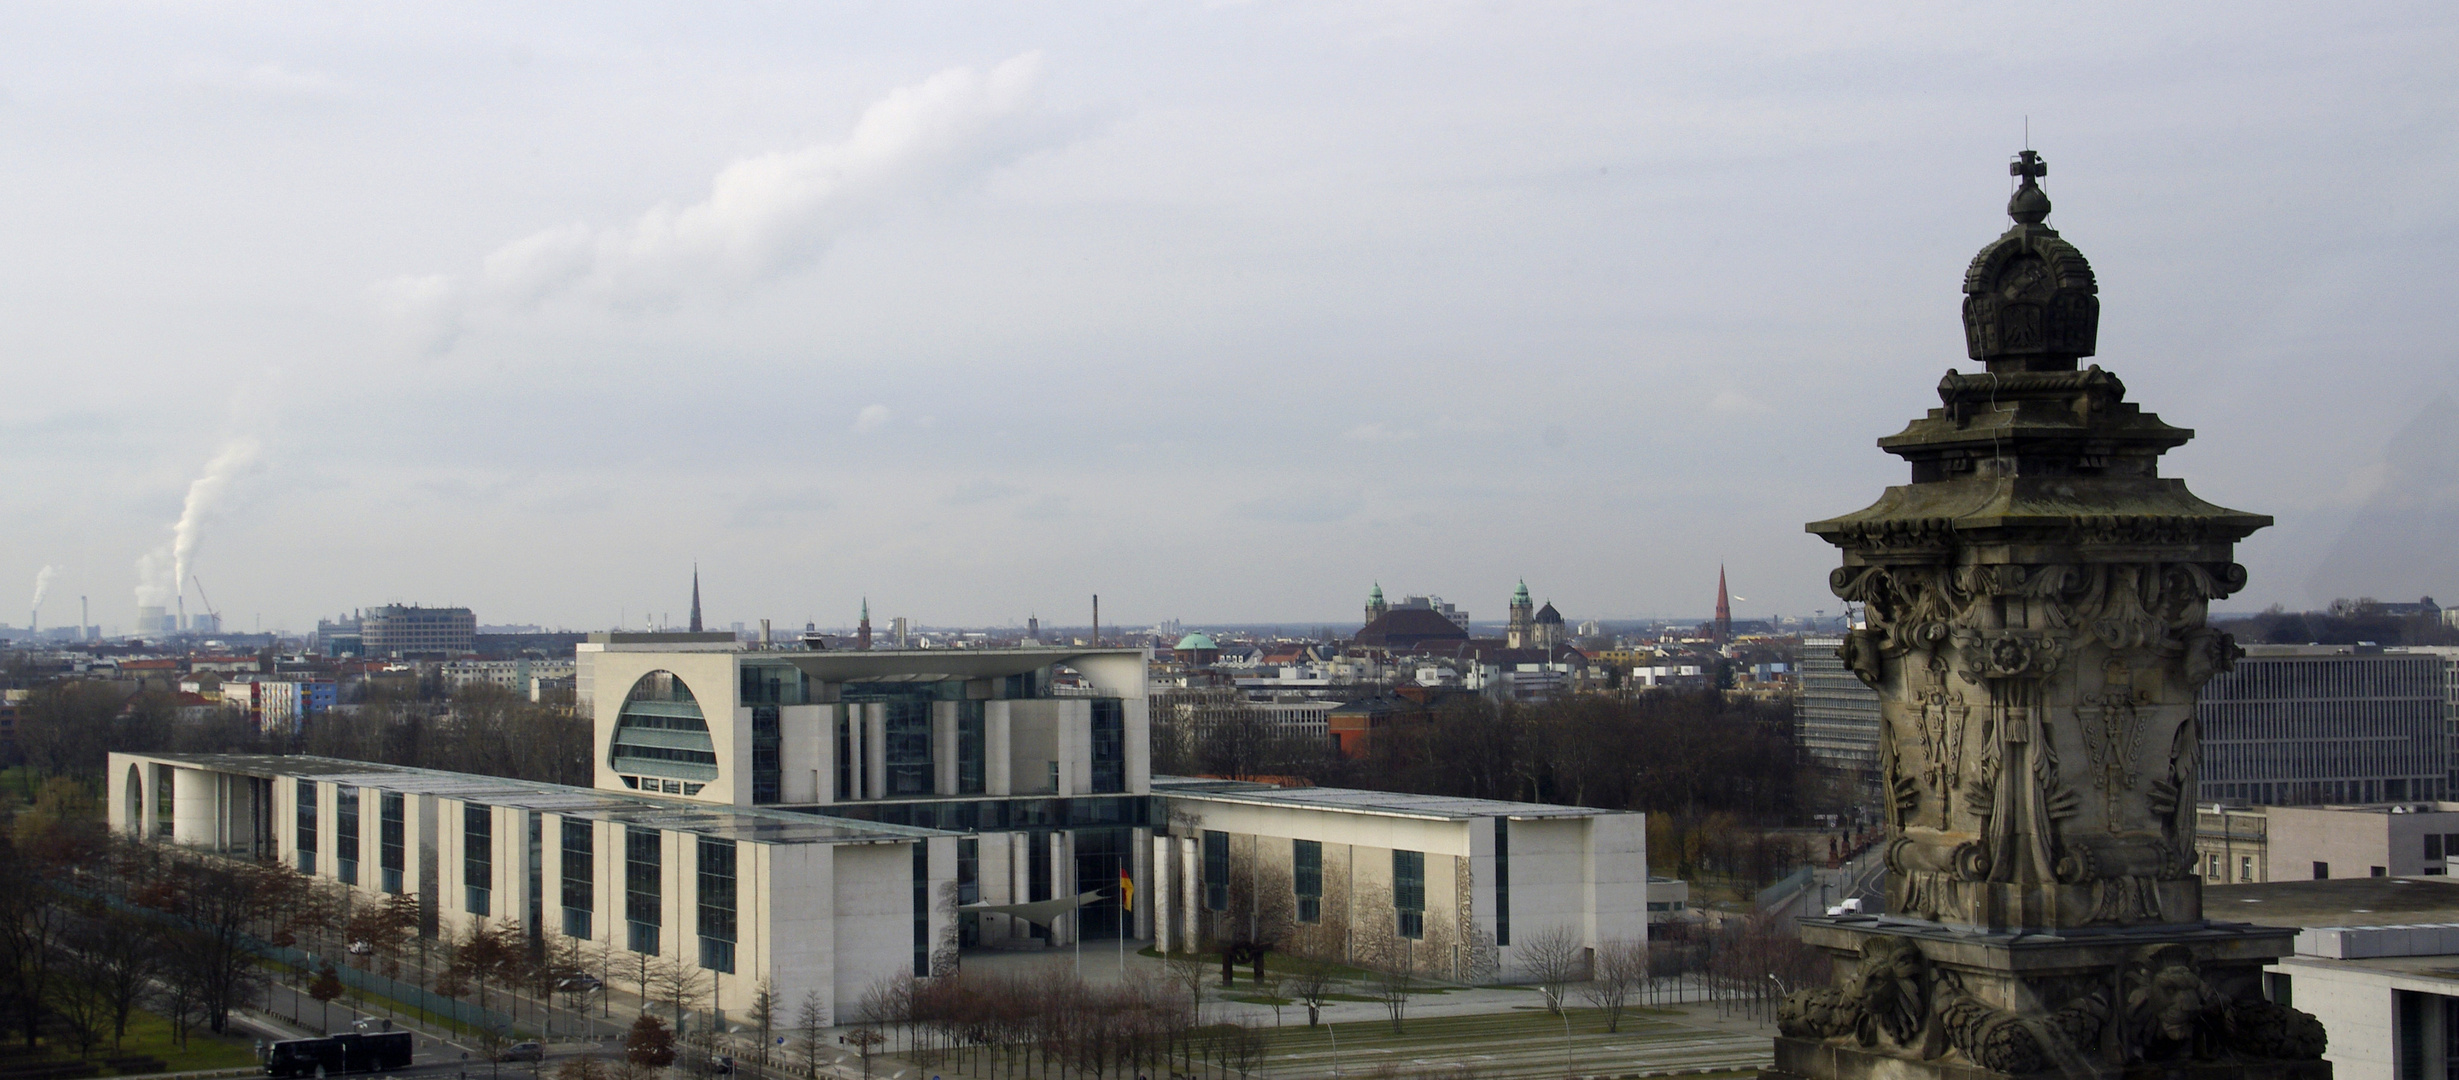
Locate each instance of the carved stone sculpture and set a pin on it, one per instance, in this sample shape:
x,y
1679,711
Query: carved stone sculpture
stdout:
x,y
2034,606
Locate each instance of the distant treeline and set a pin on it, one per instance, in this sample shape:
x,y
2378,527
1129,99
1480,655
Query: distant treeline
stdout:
x,y
2347,622
68,727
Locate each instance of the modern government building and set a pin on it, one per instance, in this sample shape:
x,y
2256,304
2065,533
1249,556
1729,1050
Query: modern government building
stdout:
x,y
821,819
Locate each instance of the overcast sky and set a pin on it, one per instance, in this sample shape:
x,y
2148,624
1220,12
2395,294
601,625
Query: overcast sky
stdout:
x,y
1224,311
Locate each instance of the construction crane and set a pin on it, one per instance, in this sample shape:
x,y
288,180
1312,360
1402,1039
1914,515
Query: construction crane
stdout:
x,y
210,613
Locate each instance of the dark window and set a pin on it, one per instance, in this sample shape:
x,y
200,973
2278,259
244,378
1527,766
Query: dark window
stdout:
x,y
1037,866
908,735
2379,871
2433,847
537,887
767,770
2408,1033
1409,892
346,833
1216,870
716,904
477,858
1109,746
643,888
389,821
1306,876
970,751
846,719
580,889
1502,881
307,826
922,907
969,870
2322,871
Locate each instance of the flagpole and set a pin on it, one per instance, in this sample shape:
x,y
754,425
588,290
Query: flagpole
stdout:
x,y
1125,914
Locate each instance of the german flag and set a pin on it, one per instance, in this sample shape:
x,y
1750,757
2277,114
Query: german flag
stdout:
x,y
1127,890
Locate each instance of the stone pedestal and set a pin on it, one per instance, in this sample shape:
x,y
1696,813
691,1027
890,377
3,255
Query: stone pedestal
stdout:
x,y
2035,607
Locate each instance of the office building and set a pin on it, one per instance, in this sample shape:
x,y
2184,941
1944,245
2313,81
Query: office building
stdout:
x,y
1837,722
398,630
2300,725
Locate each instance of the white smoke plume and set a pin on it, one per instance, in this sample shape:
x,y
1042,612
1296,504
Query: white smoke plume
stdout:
x,y
763,216
205,493
42,586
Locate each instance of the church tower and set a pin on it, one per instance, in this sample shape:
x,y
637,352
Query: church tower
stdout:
x,y
1520,632
1724,608
695,598
862,633
1375,607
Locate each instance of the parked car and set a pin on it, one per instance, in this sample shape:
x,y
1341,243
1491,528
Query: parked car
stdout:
x,y
522,1051
580,983
359,948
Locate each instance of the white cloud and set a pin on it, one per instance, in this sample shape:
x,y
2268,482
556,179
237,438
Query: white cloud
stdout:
x,y
764,216
872,418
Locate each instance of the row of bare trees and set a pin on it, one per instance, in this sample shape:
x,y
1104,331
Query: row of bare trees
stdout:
x,y
1015,1025
67,727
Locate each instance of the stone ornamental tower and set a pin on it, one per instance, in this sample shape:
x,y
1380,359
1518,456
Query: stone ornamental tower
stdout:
x,y
2036,633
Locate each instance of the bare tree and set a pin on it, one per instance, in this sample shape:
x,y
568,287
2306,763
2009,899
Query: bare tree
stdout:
x,y
1553,959
679,985
1391,975
811,1028
1310,980
1621,969
1188,972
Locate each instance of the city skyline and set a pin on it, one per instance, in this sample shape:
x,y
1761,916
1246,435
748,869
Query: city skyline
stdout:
x,y
1223,314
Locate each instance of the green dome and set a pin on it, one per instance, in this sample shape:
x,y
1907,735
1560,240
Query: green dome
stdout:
x,y
1520,597
1195,641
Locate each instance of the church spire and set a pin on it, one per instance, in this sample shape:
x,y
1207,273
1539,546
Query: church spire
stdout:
x,y
695,598
1724,607
862,633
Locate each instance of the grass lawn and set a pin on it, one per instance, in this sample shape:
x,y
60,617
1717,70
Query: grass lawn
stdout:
x,y
150,1035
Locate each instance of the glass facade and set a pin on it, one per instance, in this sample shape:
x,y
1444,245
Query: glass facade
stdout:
x,y
969,870
972,756
908,750
661,732
1409,892
717,903
1306,877
767,755
643,887
346,833
1502,881
477,858
1109,746
2300,729
307,826
1216,870
922,908
392,829
579,870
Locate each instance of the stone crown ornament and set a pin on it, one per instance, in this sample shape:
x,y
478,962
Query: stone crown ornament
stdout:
x,y
2035,604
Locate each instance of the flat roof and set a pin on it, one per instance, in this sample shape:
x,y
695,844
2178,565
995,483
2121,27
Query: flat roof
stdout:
x,y
754,824
1357,801
920,665
2365,901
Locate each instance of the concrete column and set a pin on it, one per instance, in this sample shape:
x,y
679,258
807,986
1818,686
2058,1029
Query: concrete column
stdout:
x,y
943,747
875,750
1075,725
1139,870
1157,909
1191,901
1063,883
998,758
195,795
1020,873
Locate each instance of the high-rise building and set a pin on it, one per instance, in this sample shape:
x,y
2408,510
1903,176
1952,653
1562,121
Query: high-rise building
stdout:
x,y
1837,722
2309,724
408,629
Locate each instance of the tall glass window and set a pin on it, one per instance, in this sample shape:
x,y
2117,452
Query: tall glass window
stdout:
x,y
846,719
580,890
1502,881
1306,876
536,919
970,748
1216,870
391,827
1109,746
643,889
922,908
346,833
477,859
767,760
1409,892
307,826
908,731
716,904
969,870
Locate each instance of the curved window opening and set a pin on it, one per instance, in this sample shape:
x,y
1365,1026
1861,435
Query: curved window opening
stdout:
x,y
662,733
136,801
